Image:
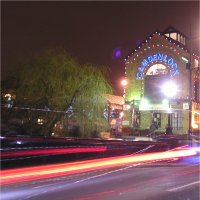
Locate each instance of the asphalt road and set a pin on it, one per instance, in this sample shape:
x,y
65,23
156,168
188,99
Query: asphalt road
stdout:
x,y
171,179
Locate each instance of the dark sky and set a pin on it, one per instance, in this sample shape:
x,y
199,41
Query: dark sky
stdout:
x,y
90,31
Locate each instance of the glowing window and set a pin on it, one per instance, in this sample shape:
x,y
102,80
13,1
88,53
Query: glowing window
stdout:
x,y
184,40
196,63
173,36
157,69
178,37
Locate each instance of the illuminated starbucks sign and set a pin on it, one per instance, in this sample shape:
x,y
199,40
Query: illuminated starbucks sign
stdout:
x,y
158,58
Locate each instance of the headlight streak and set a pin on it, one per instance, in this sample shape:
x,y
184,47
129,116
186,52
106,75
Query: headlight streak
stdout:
x,y
197,149
49,171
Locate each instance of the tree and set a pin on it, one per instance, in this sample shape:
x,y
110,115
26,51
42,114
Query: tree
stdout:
x,y
57,82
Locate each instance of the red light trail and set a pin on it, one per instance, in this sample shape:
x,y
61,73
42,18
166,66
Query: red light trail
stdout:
x,y
48,171
53,151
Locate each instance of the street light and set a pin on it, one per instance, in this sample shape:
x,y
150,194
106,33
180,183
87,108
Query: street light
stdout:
x,y
124,82
169,89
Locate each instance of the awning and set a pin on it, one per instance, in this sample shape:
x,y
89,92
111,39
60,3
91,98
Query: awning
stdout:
x,y
113,99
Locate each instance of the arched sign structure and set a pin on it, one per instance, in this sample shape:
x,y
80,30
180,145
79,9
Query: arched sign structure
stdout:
x,y
158,58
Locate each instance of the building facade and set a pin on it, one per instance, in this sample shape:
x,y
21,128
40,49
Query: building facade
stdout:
x,y
162,88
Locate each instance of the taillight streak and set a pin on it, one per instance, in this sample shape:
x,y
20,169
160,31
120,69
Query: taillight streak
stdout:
x,y
53,151
34,173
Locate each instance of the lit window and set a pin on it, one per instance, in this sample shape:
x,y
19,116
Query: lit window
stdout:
x,y
156,119
157,69
184,40
178,37
196,63
177,120
40,121
173,36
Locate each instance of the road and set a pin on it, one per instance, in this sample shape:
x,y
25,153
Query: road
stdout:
x,y
152,176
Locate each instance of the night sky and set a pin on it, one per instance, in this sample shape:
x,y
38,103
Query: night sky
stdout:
x,y
100,33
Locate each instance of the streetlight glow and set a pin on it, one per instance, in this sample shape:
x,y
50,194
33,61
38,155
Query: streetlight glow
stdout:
x,y
124,82
169,89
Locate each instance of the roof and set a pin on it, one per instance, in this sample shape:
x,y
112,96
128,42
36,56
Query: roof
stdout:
x,y
113,99
148,38
171,29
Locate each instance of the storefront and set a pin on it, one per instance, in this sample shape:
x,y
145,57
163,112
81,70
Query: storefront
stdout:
x,y
163,85
115,114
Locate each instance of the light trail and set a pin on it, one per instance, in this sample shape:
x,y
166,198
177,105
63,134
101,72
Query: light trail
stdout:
x,y
193,148
55,151
48,171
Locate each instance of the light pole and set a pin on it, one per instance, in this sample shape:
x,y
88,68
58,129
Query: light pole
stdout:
x,y
124,83
169,89
169,125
